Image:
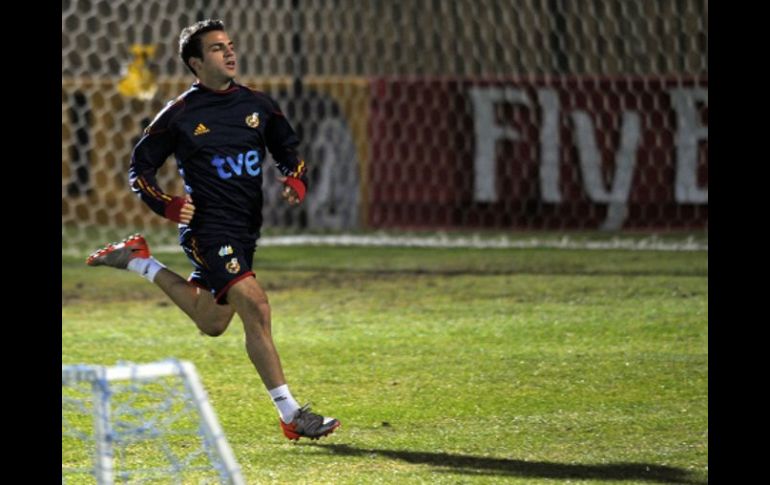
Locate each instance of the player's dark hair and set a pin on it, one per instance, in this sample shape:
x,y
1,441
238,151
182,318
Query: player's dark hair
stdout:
x,y
190,44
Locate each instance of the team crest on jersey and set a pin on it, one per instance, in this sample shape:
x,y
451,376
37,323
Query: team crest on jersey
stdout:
x,y
225,250
233,266
253,120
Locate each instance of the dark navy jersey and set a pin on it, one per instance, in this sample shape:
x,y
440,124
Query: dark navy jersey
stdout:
x,y
219,140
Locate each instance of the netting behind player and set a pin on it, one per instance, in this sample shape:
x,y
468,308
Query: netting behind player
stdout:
x,y
420,114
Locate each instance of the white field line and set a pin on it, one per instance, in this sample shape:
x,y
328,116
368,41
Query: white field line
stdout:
x,y
647,244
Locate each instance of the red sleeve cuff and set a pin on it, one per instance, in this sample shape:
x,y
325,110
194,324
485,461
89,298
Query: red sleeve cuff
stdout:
x,y
174,208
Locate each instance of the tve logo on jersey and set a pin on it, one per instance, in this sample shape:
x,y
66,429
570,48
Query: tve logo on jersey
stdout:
x,y
228,166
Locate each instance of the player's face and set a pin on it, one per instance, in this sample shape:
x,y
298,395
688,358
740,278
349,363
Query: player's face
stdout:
x,y
218,66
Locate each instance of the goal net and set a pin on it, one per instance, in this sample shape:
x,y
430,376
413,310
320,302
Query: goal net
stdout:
x,y
413,114
147,423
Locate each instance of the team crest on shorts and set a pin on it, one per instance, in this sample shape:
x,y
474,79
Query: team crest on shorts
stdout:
x,y
233,266
253,120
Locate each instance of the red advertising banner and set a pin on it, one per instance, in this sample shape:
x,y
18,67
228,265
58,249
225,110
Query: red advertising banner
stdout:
x,y
558,153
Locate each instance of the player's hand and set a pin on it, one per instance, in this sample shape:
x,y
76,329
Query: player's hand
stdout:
x,y
290,195
181,209
188,210
288,192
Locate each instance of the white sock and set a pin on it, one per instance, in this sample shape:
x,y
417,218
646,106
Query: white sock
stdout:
x,y
146,267
285,402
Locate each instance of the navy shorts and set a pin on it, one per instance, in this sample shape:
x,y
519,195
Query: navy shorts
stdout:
x,y
218,265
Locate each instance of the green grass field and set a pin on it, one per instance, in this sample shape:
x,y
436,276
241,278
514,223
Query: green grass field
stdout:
x,y
444,366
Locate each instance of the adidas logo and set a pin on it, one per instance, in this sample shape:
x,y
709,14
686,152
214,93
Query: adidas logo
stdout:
x,y
200,129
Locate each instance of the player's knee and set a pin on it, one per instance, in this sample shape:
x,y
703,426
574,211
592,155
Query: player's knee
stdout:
x,y
263,307
260,307
213,331
263,311
257,322
214,327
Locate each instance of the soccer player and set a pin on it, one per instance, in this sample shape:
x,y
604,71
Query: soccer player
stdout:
x,y
218,131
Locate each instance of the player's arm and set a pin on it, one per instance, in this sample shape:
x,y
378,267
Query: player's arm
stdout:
x,y
282,142
149,155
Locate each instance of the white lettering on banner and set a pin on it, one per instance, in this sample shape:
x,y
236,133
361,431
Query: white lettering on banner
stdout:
x,y
615,193
549,145
487,132
590,157
590,165
689,132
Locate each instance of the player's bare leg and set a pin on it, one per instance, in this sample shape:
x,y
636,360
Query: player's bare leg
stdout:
x,y
251,304
248,299
198,304
133,253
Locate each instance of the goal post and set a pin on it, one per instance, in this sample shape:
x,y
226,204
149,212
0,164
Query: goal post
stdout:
x,y
144,422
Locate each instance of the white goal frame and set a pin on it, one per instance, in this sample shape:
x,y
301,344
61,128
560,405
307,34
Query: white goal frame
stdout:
x,y
100,378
